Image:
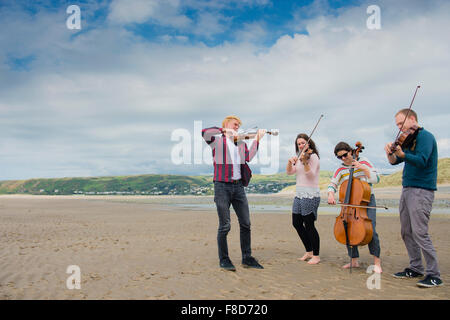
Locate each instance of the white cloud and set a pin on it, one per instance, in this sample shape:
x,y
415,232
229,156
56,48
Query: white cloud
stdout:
x,y
224,4
208,21
252,32
126,11
107,102
210,24
162,12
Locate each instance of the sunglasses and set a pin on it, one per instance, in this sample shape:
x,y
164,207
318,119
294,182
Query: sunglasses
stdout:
x,y
343,155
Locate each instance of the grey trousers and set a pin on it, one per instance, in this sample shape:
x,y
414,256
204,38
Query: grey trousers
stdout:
x,y
415,208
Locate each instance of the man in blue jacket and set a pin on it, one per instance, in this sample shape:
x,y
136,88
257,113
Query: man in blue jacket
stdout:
x,y
419,183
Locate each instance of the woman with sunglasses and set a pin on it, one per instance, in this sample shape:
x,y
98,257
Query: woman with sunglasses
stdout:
x,y
365,171
307,198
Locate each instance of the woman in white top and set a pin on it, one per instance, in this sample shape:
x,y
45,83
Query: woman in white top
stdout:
x,y
307,196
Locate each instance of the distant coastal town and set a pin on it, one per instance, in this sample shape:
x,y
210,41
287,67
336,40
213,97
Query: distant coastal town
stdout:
x,y
164,184
179,190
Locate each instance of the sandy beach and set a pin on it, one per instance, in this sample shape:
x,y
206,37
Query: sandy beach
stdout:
x,y
139,248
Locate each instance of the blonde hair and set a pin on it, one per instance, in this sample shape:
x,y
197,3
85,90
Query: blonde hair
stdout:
x,y
225,121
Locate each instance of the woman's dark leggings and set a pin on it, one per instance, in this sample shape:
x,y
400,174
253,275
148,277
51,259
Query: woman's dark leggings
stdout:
x,y
307,232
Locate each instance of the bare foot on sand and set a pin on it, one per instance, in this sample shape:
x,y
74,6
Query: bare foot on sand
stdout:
x,y
355,264
377,269
314,260
377,265
306,256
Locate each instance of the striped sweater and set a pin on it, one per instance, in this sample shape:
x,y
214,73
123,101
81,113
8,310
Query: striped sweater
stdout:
x,y
223,161
343,172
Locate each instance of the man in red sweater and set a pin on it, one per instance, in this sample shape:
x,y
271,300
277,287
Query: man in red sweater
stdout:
x,y
231,175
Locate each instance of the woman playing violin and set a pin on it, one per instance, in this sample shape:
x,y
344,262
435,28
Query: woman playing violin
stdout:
x,y
307,199
365,171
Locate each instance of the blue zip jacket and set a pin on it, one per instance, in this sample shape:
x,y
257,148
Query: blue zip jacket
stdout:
x,y
421,163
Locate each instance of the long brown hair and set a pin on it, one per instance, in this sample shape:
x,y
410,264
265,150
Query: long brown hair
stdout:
x,y
311,143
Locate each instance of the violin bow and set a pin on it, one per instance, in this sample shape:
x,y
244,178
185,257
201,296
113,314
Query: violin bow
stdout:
x,y
309,137
358,206
407,114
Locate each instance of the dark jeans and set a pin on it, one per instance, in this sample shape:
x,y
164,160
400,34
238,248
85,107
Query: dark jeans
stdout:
x,y
226,194
374,244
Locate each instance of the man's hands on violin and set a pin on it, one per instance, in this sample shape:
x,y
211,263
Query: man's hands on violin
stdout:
x,y
231,133
398,151
260,134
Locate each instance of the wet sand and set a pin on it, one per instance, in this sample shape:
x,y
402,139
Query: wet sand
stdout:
x,y
134,248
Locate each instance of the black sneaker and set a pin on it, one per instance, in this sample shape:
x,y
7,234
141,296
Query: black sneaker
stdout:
x,y
251,262
227,265
430,282
407,273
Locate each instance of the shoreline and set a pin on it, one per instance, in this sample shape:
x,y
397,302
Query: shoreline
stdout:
x,y
383,191
261,203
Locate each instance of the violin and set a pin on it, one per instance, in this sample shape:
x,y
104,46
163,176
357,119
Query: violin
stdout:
x,y
306,150
406,139
353,227
251,134
306,154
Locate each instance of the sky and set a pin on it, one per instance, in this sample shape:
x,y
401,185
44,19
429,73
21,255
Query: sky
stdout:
x,y
113,97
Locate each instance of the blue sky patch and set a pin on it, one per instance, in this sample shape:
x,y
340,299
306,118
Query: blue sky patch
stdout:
x,y
20,63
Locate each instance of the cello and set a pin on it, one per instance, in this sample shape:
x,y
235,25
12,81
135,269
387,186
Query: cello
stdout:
x,y
353,227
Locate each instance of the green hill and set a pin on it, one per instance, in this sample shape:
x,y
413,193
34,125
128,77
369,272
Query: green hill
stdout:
x,y
142,184
395,179
157,184
152,184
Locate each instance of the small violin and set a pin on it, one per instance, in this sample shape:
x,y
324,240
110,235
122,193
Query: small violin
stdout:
x,y
251,134
405,139
307,152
